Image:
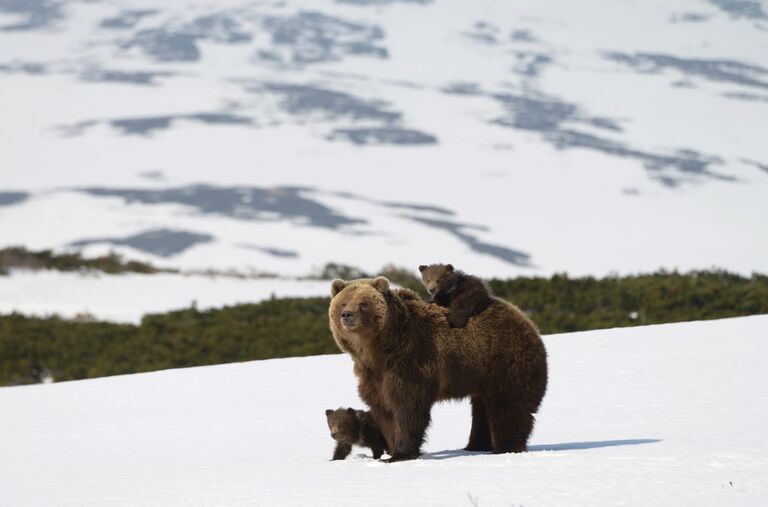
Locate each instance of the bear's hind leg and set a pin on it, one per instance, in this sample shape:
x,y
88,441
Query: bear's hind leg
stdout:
x,y
510,427
480,434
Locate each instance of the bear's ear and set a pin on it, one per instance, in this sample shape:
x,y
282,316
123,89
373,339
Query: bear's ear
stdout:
x,y
381,284
337,286
328,412
449,267
422,268
351,411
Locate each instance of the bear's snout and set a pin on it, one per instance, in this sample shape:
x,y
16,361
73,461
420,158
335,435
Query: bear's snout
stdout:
x,y
347,318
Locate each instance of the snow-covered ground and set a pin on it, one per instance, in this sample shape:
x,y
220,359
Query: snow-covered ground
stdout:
x,y
524,137
659,415
128,297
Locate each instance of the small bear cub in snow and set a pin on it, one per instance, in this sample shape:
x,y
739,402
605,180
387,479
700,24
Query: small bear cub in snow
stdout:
x,y
464,295
354,427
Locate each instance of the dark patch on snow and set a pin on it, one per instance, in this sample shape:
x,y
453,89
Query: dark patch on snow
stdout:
x,y
555,121
275,252
127,18
383,135
689,17
762,167
462,88
727,71
10,198
144,126
160,242
508,255
522,36
752,9
305,100
31,68
146,78
166,46
417,207
148,125
36,14
245,203
751,97
218,28
685,162
383,2
530,63
179,44
485,33
396,205
154,174
309,37
546,114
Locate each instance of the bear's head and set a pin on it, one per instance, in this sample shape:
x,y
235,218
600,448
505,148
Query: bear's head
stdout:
x,y
359,307
438,278
344,424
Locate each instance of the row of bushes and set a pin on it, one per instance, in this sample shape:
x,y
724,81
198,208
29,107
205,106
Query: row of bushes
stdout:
x,y
32,349
21,258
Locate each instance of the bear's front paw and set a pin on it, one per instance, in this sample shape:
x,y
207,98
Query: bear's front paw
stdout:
x,y
403,457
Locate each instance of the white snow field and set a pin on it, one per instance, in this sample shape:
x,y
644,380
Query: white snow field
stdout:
x,y
128,297
661,415
506,137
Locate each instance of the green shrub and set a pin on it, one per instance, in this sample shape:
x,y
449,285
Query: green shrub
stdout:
x,y
20,257
31,348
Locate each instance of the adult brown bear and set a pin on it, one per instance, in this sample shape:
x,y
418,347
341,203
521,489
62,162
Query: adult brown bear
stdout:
x,y
407,357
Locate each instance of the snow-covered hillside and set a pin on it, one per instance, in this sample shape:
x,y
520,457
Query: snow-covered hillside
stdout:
x,y
128,297
659,415
507,137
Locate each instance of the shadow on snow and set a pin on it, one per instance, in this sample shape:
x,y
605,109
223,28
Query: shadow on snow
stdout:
x,y
567,446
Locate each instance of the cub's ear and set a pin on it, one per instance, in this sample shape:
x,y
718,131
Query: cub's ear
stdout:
x,y
328,412
381,284
351,411
422,268
449,267
337,286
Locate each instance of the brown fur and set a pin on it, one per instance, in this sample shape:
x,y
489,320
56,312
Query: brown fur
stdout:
x,y
407,357
464,295
354,427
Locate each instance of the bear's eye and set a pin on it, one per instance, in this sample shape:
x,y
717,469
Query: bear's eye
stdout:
x,y
363,306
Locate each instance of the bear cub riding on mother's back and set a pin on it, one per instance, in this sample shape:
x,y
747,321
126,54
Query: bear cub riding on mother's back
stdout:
x,y
464,295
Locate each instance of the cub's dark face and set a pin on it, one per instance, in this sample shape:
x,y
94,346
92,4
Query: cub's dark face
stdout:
x,y
437,277
344,424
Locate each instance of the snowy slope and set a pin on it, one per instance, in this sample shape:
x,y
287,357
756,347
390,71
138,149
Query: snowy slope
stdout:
x,y
523,137
660,415
128,297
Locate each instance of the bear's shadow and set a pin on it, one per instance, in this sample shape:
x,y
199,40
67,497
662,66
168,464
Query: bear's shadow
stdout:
x,y
568,446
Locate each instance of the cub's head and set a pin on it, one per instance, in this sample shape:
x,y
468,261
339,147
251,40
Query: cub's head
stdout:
x,y
359,307
437,277
343,423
